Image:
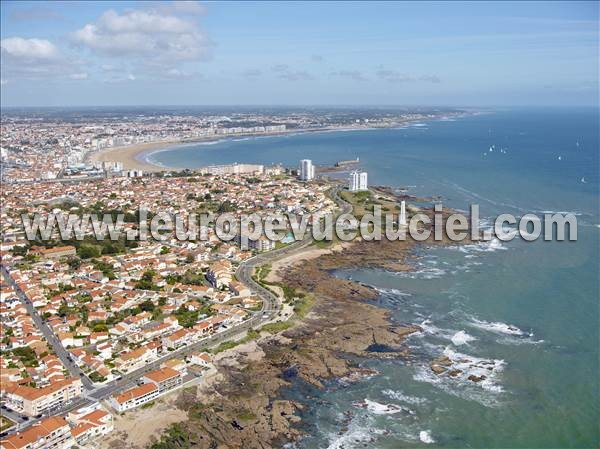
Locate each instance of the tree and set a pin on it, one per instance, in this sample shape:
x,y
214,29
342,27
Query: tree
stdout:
x,y
63,309
88,251
19,251
147,306
74,263
100,327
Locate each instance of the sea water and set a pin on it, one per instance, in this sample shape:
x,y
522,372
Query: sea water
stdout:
x,y
523,314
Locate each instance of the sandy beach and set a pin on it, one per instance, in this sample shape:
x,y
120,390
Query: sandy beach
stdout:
x,y
131,155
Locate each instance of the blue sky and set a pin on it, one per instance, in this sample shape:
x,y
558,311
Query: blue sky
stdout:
x,y
295,53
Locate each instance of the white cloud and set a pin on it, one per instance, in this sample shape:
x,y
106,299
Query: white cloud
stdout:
x,y
23,58
355,75
394,76
78,76
18,48
131,77
180,74
155,37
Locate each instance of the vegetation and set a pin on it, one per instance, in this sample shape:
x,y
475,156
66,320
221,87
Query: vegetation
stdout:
x,y
274,328
186,318
106,268
246,415
225,346
303,304
97,377
176,437
146,281
26,356
190,277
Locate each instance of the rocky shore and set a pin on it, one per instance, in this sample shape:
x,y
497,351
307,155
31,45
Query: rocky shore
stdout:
x,y
246,408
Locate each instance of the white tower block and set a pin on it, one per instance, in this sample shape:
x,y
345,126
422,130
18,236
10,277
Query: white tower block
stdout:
x,y
402,221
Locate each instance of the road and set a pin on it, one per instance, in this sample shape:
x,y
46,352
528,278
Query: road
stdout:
x,y
52,339
270,309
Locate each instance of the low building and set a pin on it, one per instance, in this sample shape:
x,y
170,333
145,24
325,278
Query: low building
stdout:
x,y
165,379
132,360
34,401
50,433
91,425
134,397
57,252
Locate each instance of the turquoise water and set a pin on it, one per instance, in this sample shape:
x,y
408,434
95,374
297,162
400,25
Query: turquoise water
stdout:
x,y
529,311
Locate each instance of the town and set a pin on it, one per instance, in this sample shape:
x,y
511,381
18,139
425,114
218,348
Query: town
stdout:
x,y
93,328
58,145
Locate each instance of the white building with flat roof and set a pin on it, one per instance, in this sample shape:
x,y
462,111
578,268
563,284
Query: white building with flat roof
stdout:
x,y
358,181
306,170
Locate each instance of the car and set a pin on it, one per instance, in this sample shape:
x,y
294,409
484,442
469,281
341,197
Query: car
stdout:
x,y
25,418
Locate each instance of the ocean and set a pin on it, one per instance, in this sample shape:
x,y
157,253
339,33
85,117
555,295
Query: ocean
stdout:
x,y
524,313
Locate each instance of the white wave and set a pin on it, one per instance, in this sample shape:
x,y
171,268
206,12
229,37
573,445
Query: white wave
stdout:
x,y
399,396
425,436
486,391
423,273
357,435
429,328
461,338
497,327
380,409
391,291
508,340
577,214
447,334
481,247
479,367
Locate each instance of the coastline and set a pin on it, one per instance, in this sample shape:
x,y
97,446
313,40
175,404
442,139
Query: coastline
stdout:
x,y
249,407
134,157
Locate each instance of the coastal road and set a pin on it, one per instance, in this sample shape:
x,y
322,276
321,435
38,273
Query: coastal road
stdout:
x,y
270,309
51,338
245,270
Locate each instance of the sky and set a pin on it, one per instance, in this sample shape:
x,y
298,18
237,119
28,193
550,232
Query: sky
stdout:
x,y
299,53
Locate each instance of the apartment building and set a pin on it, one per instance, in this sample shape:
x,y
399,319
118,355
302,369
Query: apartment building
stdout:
x,y
51,433
134,397
34,401
165,379
90,425
132,360
57,252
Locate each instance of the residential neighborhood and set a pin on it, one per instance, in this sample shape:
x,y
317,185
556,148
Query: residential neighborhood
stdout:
x,y
115,324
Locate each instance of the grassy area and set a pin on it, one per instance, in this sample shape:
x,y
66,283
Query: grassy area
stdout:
x,y
148,405
364,202
225,346
274,328
246,415
251,335
5,423
324,244
303,305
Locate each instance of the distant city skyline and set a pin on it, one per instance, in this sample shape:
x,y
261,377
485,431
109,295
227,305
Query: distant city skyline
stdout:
x,y
296,53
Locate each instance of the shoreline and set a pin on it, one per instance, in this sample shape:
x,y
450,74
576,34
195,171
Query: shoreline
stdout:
x,y
249,407
135,157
